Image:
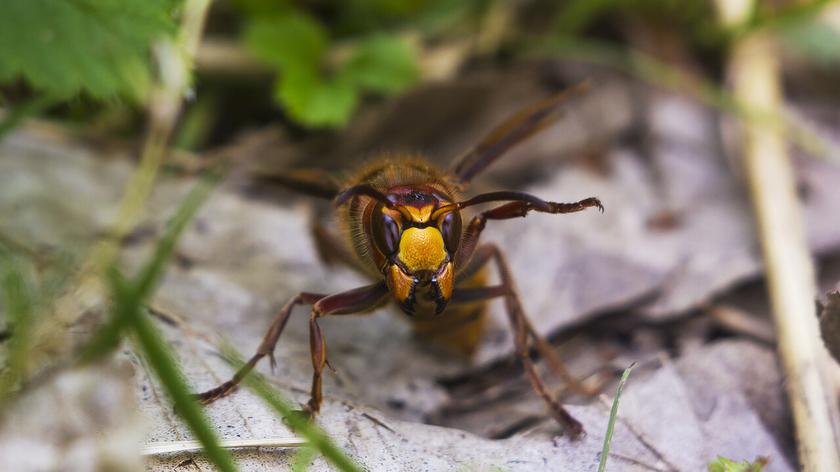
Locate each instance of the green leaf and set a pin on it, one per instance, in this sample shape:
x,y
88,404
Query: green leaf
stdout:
x,y
291,40
722,464
64,47
383,63
295,44
314,101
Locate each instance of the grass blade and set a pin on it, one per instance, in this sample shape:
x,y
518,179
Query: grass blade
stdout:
x,y
108,337
303,459
316,438
163,362
16,296
605,451
128,299
150,274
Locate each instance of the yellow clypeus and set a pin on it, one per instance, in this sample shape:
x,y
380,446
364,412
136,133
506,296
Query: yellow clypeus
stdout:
x,y
421,249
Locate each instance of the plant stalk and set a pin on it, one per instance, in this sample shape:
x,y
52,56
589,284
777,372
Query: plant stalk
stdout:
x,y
811,375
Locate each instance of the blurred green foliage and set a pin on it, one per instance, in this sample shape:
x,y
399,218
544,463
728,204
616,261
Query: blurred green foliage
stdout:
x,y
313,90
330,54
327,56
796,22
576,15
100,47
695,20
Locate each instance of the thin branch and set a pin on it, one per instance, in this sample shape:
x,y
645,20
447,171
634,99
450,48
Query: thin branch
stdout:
x,y
178,447
741,322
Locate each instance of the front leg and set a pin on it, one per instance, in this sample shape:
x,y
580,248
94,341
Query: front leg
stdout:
x,y
266,348
352,301
524,334
345,303
519,205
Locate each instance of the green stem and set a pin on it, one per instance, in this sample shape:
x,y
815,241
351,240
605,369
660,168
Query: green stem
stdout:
x,y
605,451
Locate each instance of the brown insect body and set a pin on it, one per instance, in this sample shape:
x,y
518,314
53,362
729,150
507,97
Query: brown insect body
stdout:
x,y
402,224
403,245
419,186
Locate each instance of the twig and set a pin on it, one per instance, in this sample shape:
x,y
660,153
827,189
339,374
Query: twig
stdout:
x,y
810,372
741,322
177,447
377,421
226,58
636,462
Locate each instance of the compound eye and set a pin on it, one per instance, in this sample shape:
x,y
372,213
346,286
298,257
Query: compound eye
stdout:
x,y
450,228
390,235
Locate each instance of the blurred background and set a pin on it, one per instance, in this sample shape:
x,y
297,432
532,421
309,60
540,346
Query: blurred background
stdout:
x,y
143,148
